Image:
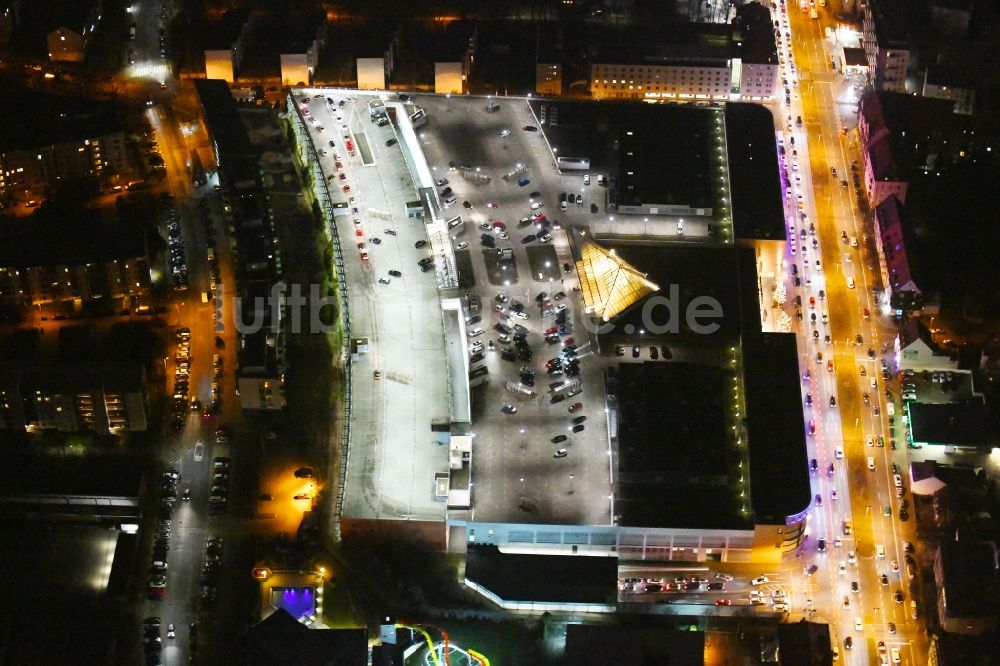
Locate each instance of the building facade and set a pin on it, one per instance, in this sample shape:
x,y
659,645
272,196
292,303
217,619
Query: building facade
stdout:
x,y
26,172
101,398
888,50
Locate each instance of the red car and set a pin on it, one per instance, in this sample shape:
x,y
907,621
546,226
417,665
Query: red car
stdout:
x,y
576,407
569,341
812,428
551,330
347,188
359,233
364,256
723,602
865,313
497,224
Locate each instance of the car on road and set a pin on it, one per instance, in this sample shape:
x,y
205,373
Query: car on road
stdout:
x,y
390,142
560,453
199,451
530,128
509,409
871,463
760,580
395,274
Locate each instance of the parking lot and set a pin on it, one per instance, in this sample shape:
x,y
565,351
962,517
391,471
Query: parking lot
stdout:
x,y
515,474
513,253
393,458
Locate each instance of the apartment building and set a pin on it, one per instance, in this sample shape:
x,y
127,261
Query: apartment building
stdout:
x,y
886,45
49,140
105,398
711,62
260,377
227,42
40,266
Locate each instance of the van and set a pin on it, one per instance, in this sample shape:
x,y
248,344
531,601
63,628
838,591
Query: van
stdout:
x,y
890,408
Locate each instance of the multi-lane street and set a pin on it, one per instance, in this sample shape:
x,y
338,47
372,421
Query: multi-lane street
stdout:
x,y
854,479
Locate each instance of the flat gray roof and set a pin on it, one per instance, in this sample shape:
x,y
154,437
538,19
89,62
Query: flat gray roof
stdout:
x,y
779,473
752,155
674,459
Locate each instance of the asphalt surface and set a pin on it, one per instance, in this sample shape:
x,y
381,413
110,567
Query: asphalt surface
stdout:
x,y
817,95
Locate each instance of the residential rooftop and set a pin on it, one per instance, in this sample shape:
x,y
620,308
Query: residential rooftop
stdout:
x,y
952,424
971,577
87,476
33,119
48,238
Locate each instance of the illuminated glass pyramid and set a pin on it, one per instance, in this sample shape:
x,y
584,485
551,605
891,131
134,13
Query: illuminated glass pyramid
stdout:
x,y
610,284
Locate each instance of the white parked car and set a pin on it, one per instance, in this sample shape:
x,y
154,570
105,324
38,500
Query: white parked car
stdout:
x,y
462,246
199,451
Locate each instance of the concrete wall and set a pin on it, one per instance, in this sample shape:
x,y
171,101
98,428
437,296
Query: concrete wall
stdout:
x,y
548,79
219,65
295,69
371,73
449,78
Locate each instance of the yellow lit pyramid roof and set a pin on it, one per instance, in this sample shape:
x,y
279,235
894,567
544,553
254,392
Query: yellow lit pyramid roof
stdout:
x,y
609,284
